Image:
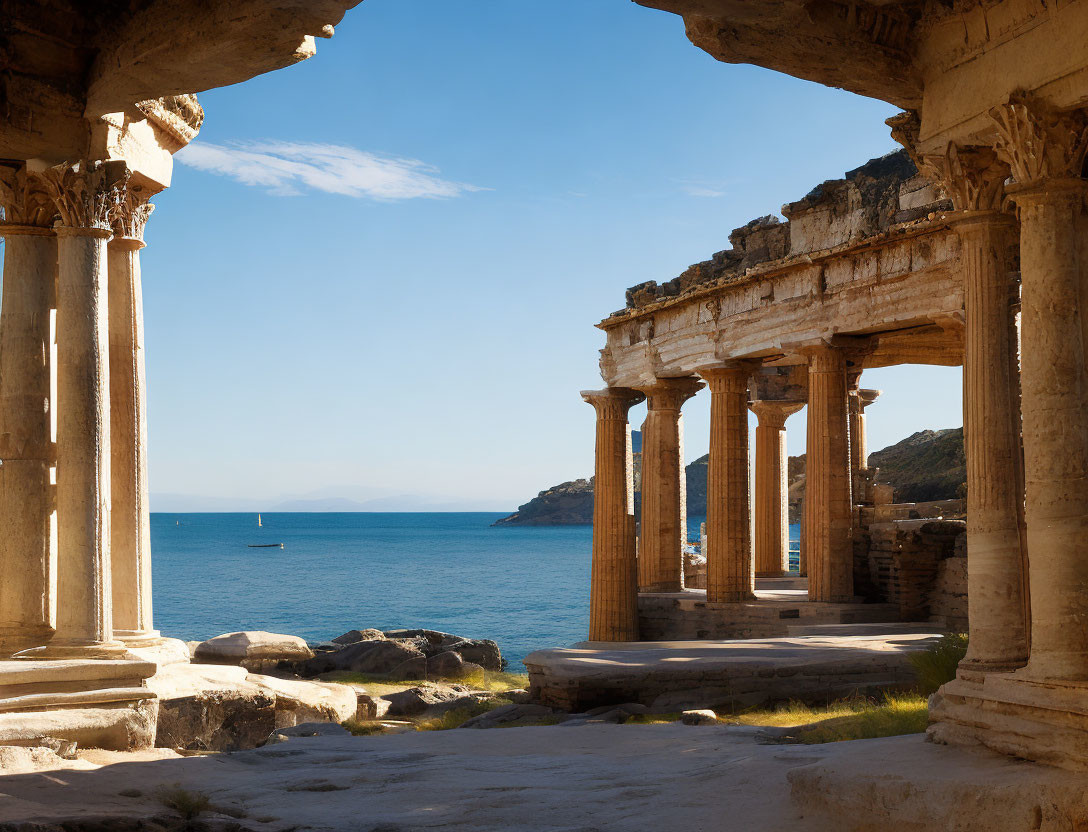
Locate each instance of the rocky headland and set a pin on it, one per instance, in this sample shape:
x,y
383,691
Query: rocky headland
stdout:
x,y
926,466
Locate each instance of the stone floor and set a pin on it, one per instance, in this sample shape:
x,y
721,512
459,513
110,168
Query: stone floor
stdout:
x,y
826,664
619,778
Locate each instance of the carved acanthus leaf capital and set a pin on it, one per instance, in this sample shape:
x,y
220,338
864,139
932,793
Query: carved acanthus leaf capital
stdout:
x,y
128,214
973,177
24,200
85,194
1037,141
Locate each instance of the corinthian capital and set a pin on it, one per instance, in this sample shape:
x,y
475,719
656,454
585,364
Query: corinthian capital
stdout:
x,y
973,177
24,200
129,212
84,194
1037,141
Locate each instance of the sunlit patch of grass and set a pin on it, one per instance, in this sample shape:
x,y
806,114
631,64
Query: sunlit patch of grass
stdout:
x,y
362,727
492,681
847,719
937,664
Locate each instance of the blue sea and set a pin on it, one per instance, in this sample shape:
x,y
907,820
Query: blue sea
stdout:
x,y
526,587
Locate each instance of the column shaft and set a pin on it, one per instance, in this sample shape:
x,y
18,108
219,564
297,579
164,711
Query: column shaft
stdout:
x,y
613,605
130,534
991,435
729,574
84,602
771,500
1055,418
827,481
27,548
660,565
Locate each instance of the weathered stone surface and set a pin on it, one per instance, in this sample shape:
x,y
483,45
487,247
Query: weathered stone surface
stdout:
x,y
699,717
355,636
116,728
372,656
223,708
254,650
447,665
510,715
415,701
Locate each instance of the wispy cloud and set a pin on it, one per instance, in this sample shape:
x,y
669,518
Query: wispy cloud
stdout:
x,y
290,168
702,190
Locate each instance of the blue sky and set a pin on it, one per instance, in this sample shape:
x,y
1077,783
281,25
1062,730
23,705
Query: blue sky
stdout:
x,y
379,270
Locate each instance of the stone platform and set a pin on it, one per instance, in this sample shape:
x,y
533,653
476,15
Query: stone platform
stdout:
x,y
780,603
908,785
671,675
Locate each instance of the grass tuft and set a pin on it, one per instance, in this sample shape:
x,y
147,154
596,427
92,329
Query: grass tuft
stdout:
x,y
937,664
896,715
362,727
456,717
186,803
492,681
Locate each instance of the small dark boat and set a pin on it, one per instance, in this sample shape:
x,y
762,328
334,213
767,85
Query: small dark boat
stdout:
x,y
264,545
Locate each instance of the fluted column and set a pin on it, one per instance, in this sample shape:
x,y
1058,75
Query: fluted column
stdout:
x,y
613,600
1046,152
84,593
771,500
660,564
829,551
729,576
26,447
130,527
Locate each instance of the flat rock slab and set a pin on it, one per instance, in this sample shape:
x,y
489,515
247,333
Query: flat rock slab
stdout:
x,y
906,785
696,674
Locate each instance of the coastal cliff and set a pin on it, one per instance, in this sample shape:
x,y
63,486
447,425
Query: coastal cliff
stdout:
x,y
928,465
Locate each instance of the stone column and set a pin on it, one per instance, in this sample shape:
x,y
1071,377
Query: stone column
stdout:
x,y
660,564
772,529
729,577
613,600
26,446
859,452
1046,152
828,513
84,593
130,527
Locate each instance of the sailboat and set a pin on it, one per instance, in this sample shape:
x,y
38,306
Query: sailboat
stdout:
x,y
263,545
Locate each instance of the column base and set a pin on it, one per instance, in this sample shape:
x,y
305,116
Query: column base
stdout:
x,y
742,597
16,639
1046,722
138,638
76,650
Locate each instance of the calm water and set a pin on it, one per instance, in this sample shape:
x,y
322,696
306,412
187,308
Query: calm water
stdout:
x,y
524,587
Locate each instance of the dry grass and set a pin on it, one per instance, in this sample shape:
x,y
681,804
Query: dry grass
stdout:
x,y
492,681
362,727
937,665
456,717
186,803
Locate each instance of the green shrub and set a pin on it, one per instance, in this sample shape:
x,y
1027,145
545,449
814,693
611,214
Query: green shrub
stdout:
x,y
937,664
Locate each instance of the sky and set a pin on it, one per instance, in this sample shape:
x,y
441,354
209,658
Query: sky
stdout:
x,y
377,273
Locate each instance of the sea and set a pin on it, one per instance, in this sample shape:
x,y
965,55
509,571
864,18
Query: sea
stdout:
x,y
526,587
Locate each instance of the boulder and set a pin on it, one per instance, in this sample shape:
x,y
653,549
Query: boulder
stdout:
x,y
447,665
254,650
415,701
379,657
355,636
223,708
699,717
481,651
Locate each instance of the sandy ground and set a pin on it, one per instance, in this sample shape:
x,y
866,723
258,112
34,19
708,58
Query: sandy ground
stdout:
x,y
601,777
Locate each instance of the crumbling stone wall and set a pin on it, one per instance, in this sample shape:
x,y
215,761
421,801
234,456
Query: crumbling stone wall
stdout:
x,y
917,565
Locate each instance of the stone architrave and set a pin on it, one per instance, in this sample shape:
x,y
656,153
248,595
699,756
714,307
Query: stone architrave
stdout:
x,y
729,573
83,195
1046,152
613,602
130,527
26,446
660,561
829,550
771,498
